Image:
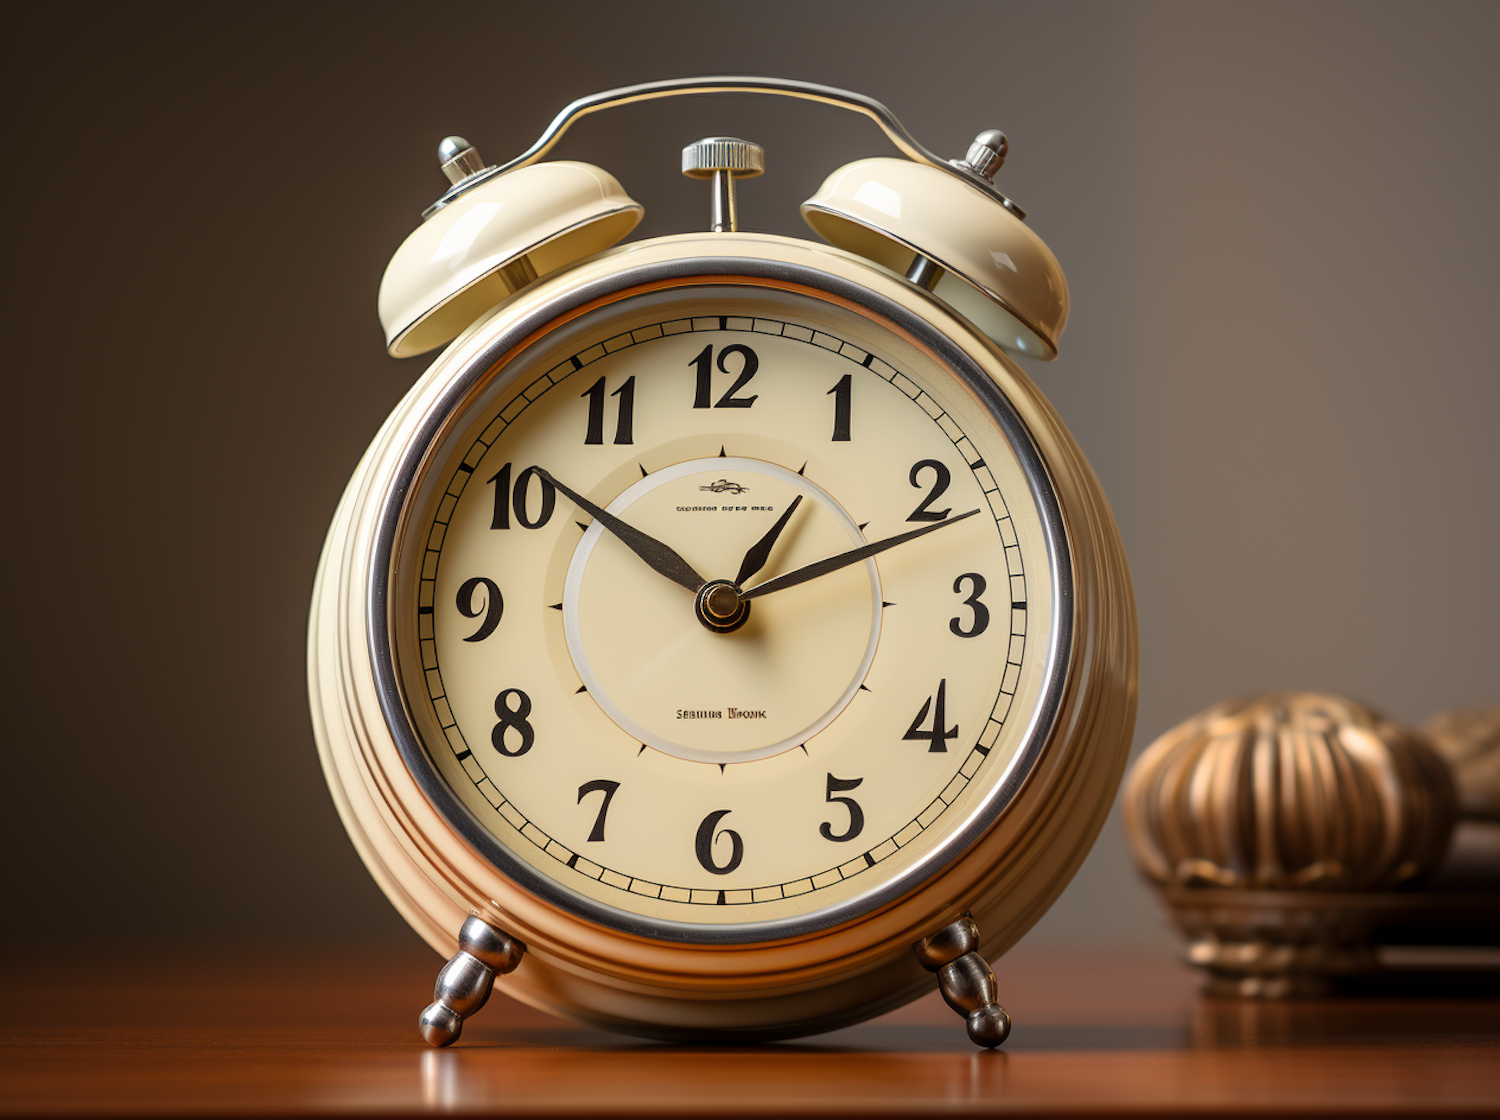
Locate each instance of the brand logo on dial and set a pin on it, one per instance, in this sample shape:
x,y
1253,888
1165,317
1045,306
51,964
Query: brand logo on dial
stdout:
x,y
724,486
721,713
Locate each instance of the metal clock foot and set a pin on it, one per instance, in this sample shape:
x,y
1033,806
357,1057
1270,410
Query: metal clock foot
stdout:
x,y
465,982
966,980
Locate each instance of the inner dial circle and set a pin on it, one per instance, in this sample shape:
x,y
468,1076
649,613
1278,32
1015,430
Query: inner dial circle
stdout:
x,y
761,689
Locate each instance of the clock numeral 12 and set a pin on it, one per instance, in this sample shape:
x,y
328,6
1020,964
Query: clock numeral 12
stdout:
x,y
624,422
938,734
500,519
703,363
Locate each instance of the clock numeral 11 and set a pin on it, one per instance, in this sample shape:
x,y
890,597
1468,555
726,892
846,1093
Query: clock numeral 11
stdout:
x,y
624,421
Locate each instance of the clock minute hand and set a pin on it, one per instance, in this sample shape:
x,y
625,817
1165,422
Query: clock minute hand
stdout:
x,y
844,559
760,551
657,556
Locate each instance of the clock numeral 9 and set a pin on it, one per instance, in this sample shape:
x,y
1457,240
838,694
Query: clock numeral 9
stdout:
x,y
856,814
500,519
513,719
492,607
703,363
606,787
940,483
938,734
981,620
624,422
704,845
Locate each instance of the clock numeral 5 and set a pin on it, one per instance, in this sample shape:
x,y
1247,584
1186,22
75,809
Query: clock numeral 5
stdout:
x,y
981,620
704,844
500,519
606,787
940,482
513,719
492,607
624,422
703,363
938,734
856,814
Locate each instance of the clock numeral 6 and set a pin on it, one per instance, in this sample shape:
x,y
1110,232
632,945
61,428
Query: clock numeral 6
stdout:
x,y
513,719
624,422
492,607
981,620
703,363
606,787
856,814
941,480
938,734
704,845
500,519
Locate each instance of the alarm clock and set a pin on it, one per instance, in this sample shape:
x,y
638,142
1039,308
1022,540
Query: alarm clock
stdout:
x,y
724,635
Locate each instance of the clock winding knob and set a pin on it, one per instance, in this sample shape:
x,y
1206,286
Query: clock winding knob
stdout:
x,y
459,159
723,159
987,153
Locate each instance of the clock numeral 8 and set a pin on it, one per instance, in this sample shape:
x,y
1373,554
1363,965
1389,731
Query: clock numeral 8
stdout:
x,y
513,719
704,845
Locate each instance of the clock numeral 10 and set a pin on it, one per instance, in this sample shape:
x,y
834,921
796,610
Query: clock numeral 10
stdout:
x,y
624,422
500,518
704,844
938,734
704,363
856,814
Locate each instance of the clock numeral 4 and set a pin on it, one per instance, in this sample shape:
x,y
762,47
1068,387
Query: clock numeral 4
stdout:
x,y
704,363
606,787
938,734
856,814
513,719
941,480
624,421
492,607
981,619
500,518
704,844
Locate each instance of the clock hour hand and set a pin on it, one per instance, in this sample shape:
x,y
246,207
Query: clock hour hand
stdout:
x,y
657,556
760,551
844,559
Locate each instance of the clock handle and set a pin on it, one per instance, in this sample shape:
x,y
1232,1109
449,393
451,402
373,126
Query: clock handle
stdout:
x,y
466,980
978,176
966,980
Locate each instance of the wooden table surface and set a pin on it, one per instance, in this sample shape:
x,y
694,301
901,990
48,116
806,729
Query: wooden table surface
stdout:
x,y
318,1032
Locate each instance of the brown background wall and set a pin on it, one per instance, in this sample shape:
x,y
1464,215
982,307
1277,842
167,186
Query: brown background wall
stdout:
x,y
1278,221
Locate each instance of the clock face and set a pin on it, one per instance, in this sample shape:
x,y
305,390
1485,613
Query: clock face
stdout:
x,y
630,725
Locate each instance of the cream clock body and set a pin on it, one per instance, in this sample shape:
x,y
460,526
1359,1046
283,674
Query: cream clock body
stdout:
x,y
719,619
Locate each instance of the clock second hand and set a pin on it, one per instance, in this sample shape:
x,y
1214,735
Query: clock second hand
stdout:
x,y
657,556
844,559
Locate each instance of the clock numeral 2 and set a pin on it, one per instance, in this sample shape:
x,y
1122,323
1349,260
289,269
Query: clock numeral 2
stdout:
x,y
856,814
938,734
493,608
941,480
606,787
500,519
513,719
703,363
981,621
624,422
704,844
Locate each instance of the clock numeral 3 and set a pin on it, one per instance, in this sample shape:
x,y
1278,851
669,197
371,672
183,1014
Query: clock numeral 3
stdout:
x,y
606,787
941,480
703,363
856,814
981,620
937,735
492,607
513,719
624,422
704,845
500,519
842,395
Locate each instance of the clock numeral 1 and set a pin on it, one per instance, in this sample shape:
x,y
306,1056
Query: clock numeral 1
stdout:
x,y
856,814
940,482
624,421
841,394
938,734
500,518
513,719
703,363
492,608
981,620
606,787
704,844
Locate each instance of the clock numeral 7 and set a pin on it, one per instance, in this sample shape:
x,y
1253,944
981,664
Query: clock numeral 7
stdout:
x,y
939,733
624,422
606,787
703,363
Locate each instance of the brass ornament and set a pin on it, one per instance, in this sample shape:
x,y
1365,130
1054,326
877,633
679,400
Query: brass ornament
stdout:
x,y
1277,830
1469,740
